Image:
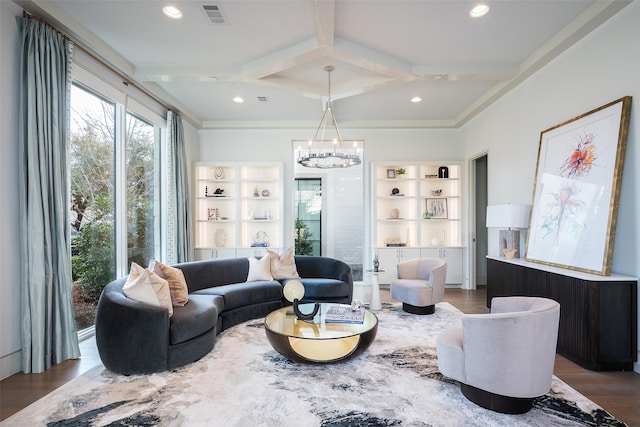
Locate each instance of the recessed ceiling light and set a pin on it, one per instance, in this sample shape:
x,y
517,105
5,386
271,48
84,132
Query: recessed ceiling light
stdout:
x,y
238,99
416,99
172,12
479,10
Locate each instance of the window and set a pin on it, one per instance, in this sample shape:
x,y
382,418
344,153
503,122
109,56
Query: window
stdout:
x,y
115,197
142,188
308,222
92,148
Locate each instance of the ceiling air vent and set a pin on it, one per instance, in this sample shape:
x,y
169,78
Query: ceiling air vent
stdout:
x,y
214,14
263,99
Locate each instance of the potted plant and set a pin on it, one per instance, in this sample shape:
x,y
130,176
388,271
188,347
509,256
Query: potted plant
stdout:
x,y
400,171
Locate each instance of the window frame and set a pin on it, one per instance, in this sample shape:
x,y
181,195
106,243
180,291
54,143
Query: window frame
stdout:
x,y
93,81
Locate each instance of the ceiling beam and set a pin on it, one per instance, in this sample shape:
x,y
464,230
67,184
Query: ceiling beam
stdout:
x,y
325,22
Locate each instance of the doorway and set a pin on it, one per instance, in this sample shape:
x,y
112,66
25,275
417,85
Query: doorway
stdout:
x,y
480,241
308,204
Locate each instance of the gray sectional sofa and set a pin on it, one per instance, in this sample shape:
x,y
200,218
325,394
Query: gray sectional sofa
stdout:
x,y
136,338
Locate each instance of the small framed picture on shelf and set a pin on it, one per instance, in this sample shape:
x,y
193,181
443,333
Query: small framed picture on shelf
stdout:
x,y
437,208
213,214
391,173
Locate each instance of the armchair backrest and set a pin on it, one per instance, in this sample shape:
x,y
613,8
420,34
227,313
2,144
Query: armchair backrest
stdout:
x,y
419,268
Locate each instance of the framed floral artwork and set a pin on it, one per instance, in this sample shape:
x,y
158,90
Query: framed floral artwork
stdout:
x,y
577,190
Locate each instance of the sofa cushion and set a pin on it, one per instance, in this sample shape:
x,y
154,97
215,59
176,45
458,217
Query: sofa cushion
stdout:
x,y
145,286
283,266
242,294
175,277
323,289
259,269
195,318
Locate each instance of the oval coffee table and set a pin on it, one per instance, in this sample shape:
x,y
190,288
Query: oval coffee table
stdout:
x,y
317,341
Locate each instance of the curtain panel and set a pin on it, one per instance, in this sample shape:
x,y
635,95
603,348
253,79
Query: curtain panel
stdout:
x,y
179,224
49,334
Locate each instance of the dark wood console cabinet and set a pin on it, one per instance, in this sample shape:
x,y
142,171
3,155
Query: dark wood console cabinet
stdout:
x,y
598,314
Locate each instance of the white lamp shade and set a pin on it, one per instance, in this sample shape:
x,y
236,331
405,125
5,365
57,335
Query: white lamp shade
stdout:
x,y
508,216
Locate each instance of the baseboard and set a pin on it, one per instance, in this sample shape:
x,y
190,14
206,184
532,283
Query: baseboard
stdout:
x,y
10,364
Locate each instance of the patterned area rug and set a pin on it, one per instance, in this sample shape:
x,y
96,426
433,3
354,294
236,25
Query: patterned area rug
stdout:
x,y
244,382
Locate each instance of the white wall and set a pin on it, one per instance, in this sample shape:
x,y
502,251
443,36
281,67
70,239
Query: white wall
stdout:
x,y
10,343
603,67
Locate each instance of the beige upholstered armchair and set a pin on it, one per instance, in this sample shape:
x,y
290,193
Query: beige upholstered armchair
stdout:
x,y
420,284
503,359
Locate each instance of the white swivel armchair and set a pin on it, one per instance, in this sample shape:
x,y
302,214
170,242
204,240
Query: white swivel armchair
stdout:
x,y
420,284
503,360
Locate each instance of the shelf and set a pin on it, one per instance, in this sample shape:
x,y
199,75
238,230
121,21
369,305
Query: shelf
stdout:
x,y
217,199
416,199
239,181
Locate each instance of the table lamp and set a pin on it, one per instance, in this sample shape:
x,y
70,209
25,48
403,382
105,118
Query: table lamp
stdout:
x,y
509,217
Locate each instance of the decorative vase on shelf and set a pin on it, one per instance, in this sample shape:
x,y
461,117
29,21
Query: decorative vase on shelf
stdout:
x,y
509,253
220,238
394,214
376,264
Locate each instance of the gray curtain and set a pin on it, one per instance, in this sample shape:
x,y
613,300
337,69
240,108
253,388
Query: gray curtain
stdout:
x,y
49,334
179,224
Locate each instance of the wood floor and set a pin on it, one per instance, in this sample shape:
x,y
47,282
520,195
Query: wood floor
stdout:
x,y
617,392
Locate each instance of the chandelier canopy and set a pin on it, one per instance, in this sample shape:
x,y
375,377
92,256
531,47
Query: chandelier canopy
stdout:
x,y
321,153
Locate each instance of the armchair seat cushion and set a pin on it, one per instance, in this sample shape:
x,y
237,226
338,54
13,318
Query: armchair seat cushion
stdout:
x,y
193,319
450,352
412,291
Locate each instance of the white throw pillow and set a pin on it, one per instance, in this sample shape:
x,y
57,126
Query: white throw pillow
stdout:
x,y
259,269
145,286
283,266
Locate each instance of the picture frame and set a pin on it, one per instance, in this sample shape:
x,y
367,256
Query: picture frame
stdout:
x,y
437,208
577,190
391,173
213,214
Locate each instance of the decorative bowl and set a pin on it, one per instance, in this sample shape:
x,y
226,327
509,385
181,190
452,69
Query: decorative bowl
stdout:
x,y
436,192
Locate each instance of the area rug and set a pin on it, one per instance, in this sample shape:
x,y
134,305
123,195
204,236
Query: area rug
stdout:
x,y
244,382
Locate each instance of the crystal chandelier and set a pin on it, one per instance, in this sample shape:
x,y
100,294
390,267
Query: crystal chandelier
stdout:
x,y
336,156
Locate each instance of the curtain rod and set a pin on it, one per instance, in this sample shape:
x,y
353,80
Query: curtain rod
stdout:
x,y
125,79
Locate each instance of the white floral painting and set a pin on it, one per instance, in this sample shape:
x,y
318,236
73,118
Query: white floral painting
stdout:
x,y
577,190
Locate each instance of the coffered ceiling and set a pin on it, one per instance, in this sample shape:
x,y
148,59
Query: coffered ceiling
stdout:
x,y
272,54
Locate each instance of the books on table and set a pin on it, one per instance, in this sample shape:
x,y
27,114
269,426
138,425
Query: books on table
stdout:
x,y
342,313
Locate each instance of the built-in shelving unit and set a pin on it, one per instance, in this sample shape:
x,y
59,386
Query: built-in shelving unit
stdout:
x,y
417,213
238,209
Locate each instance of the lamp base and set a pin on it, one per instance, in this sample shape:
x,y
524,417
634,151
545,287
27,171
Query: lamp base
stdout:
x,y
509,239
